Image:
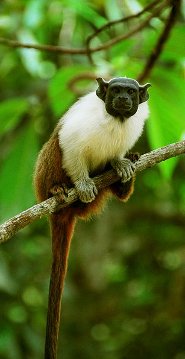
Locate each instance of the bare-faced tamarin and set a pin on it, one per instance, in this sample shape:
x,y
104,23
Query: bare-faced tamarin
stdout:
x,y
96,132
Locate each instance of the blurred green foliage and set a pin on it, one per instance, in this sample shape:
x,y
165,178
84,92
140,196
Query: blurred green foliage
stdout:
x,y
124,294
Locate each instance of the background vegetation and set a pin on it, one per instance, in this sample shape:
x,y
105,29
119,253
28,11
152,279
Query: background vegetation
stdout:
x,y
125,289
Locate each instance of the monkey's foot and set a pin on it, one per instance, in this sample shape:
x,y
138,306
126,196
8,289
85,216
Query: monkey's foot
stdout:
x,y
86,190
124,168
133,156
60,191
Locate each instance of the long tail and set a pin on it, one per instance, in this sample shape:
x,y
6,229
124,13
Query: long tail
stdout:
x,y
62,231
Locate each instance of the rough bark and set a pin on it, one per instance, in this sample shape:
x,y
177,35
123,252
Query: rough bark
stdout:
x,y
147,160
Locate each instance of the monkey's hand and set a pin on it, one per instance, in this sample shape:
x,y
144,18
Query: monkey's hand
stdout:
x,y
86,190
124,168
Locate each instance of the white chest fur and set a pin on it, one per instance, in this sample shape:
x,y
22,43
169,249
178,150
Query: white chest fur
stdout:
x,y
91,136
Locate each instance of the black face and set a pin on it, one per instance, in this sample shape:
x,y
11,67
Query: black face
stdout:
x,y
122,96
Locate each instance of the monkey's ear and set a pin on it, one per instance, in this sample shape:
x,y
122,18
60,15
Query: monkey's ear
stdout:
x,y
143,93
102,88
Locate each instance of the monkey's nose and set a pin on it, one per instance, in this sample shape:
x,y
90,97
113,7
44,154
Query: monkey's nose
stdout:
x,y
124,99
127,101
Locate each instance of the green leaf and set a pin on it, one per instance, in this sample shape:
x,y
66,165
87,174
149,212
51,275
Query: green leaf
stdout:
x,y
60,95
10,113
86,10
113,10
174,49
34,13
32,59
16,190
166,124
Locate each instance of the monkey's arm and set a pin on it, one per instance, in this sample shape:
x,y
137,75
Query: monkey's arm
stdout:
x,y
76,167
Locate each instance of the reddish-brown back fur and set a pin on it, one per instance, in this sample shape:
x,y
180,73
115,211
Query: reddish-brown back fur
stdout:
x,y
49,173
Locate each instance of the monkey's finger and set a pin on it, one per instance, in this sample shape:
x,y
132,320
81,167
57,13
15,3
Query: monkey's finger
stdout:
x,y
119,172
95,190
133,166
125,176
87,199
131,171
128,173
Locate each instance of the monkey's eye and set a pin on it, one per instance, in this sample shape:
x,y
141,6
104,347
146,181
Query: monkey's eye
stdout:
x,y
115,90
131,91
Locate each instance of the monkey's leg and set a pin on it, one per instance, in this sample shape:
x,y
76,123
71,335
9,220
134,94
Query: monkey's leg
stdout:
x,y
123,190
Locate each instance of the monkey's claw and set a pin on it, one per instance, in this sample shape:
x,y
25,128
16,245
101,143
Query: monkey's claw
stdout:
x,y
86,190
124,168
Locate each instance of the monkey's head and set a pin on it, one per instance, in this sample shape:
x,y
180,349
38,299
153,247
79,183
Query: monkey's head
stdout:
x,y
122,96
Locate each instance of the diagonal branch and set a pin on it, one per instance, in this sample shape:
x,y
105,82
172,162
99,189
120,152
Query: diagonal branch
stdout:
x,y
149,7
13,225
161,41
132,32
109,24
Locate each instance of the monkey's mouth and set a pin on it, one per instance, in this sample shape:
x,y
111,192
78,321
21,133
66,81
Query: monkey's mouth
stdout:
x,y
127,106
123,107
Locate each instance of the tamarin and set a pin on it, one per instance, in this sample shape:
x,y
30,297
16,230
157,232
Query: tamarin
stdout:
x,y
94,134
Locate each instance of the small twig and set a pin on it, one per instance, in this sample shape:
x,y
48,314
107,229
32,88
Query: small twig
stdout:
x,y
116,22
13,225
51,48
161,41
130,33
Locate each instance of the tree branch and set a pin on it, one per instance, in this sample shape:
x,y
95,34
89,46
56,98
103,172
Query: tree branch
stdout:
x,y
147,160
109,24
88,50
51,48
134,30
